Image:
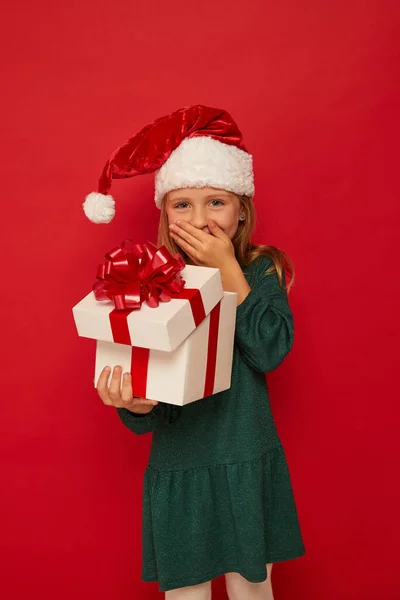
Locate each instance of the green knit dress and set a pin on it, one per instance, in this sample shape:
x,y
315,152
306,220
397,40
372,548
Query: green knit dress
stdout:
x,y
217,493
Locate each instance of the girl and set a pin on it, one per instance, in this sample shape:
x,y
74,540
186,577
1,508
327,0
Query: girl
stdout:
x,y
217,495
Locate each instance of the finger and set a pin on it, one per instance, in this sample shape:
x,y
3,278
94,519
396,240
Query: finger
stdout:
x,y
184,245
114,390
217,231
189,250
141,409
141,405
102,385
126,392
195,232
144,402
189,233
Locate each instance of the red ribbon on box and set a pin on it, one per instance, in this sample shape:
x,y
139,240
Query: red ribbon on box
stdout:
x,y
137,273
140,360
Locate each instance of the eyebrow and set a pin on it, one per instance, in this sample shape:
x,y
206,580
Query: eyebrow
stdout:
x,y
217,195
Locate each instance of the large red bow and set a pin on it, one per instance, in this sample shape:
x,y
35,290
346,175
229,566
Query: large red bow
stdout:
x,y
136,273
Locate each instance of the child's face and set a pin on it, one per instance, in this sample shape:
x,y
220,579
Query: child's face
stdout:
x,y
200,205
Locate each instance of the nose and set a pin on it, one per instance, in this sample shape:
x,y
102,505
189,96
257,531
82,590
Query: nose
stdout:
x,y
199,219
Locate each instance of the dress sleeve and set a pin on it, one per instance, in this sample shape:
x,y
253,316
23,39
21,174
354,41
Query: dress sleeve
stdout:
x,y
162,414
264,321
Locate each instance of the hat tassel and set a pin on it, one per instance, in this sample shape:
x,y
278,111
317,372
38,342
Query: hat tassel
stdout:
x,y
99,208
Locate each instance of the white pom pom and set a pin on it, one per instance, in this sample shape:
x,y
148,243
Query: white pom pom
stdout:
x,y
99,208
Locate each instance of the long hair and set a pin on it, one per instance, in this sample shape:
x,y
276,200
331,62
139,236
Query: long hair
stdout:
x,y
245,250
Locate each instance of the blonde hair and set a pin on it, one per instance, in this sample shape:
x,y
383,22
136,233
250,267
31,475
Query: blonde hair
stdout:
x,y
245,250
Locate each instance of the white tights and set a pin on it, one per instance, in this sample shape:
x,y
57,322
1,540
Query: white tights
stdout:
x,y
237,587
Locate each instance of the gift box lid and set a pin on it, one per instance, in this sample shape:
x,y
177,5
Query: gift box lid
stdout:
x,y
161,328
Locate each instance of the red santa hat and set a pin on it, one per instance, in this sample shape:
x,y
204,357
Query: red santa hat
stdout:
x,y
196,146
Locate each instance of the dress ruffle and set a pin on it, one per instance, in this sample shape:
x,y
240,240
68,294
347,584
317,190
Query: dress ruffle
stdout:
x,y
203,522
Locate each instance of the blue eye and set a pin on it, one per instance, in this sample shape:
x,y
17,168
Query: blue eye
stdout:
x,y
185,204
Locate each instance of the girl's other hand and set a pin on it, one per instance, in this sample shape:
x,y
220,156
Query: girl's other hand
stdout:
x,y
213,249
113,395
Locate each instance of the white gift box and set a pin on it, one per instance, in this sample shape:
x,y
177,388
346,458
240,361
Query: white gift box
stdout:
x,y
199,367
161,328
177,353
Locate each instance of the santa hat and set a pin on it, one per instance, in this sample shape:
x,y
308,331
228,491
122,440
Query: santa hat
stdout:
x,y
196,146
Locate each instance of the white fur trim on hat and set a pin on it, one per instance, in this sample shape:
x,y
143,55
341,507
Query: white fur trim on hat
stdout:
x,y
99,208
205,162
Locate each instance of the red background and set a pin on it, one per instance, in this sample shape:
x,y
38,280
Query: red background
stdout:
x,y
315,88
